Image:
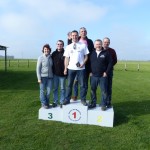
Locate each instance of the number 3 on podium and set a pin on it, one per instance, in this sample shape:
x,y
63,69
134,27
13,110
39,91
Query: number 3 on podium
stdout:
x,y
50,115
99,119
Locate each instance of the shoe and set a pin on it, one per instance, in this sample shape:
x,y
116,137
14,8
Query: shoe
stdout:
x,y
45,106
92,106
61,105
74,98
66,102
103,108
108,104
54,105
84,102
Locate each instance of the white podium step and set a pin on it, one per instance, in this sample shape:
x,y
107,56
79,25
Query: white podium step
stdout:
x,y
76,113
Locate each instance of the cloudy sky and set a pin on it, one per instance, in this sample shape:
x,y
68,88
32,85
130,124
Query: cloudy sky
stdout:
x,y
26,25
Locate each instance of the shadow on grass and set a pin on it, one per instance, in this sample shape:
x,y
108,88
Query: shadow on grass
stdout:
x,y
18,80
124,111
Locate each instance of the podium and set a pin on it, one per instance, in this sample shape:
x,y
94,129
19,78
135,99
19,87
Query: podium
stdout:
x,y
76,113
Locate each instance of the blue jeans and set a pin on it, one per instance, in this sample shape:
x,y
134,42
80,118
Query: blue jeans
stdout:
x,y
75,85
45,90
62,81
71,76
102,82
110,77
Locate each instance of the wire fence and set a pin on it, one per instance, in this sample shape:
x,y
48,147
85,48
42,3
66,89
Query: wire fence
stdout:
x,y
31,63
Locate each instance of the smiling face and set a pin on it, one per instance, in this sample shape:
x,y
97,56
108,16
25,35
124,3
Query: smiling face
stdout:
x,y
60,45
46,51
98,45
83,32
106,43
74,36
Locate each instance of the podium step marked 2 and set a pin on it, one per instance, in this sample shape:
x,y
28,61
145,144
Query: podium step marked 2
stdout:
x,y
76,113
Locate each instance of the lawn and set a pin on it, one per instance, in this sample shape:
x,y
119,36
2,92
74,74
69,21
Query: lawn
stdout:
x,y
20,128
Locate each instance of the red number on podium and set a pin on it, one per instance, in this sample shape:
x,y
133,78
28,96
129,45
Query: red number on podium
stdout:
x,y
74,115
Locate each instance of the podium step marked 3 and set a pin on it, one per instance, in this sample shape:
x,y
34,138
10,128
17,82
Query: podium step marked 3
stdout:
x,y
76,113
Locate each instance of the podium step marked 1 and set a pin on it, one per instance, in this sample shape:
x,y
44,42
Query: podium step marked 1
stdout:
x,y
76,113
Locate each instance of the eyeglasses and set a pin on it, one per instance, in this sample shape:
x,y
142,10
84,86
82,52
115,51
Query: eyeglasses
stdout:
x,y
74,46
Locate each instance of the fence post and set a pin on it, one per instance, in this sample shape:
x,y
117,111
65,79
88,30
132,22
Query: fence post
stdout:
x,y
18,62
125,67
28,63
9,62
138,67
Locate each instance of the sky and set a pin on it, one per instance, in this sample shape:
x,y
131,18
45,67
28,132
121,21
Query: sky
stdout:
x,y
26,25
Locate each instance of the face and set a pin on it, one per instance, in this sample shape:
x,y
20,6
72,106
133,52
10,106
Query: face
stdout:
x,y
98,45
59,46
106,43
46,51
74,36
83,32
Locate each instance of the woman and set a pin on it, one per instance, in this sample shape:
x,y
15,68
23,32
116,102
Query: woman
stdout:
x,y
45,75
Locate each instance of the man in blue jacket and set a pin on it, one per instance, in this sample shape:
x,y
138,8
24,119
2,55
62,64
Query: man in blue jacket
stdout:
x,y
101,65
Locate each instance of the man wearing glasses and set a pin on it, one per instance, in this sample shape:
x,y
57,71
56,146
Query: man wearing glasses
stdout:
x,y
76,55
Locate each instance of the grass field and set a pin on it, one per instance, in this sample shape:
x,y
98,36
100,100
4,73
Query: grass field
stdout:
x,y
20,128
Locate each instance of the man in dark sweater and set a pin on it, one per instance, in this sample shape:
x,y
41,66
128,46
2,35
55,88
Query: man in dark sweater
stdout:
x,y
58,70
101,65
106,43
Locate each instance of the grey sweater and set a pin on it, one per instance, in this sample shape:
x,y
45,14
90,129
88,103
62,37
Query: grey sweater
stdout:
x,y
44,67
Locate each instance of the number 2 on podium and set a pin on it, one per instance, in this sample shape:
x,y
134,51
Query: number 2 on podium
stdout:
x,y
99,119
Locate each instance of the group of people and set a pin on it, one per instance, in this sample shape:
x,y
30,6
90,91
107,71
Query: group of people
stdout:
x,y
79,61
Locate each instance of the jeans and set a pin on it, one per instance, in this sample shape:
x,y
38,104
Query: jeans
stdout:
x,y
110,77
45,90
102,82
75,85
71,76
62,81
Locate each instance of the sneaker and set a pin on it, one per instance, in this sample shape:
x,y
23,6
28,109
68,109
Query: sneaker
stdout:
x,y
74,98
54,105
61,105
45,106
103,108
84,102
92,106
66,102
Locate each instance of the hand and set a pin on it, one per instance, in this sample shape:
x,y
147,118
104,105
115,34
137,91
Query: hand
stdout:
x,y
65,72
39,81
91,74
104,74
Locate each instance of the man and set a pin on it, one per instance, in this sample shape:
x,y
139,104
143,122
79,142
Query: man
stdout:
x,y
89,43
76,55
58,70
106,43
101,64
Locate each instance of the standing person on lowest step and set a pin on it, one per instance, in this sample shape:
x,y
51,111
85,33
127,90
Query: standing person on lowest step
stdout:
x,y
101,64
106,43
76,55
45,75
58,70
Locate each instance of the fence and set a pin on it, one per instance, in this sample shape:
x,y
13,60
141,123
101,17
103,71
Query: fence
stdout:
x,y
31,63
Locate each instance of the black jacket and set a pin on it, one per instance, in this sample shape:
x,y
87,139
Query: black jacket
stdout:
x,y
58,62
102,63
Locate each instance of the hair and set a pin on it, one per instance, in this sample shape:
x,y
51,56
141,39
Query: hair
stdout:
x,y
106,38
61,41
47,46
75,31
98,40
83,29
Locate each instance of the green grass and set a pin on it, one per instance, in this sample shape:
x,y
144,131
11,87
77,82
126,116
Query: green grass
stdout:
x,y
20,128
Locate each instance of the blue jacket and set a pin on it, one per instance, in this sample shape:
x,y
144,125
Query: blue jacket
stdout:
x,y
102,63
